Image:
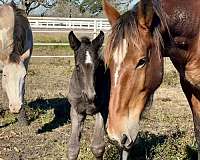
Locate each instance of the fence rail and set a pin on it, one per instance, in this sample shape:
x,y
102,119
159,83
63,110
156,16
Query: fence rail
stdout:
x,y
58,24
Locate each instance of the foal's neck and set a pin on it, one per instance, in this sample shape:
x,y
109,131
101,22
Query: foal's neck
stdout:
x,y
74,87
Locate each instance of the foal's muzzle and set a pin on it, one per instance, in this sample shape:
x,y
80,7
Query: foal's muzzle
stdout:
x,y
89,97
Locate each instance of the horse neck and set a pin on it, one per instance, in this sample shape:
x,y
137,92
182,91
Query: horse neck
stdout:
x,y
75,87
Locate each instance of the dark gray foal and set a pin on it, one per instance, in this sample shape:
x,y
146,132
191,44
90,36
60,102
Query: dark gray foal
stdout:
x,y
88,93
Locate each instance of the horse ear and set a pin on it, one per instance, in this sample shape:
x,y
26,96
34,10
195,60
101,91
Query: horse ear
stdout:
x,y
25,55
111,13
73,41
98,41
145,13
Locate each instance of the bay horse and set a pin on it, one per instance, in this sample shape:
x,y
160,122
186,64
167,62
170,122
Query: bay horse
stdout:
x,y
88,93
16,45
138,41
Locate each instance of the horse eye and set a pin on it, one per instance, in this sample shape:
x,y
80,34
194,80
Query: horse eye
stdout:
x,y
141,63
77,67
4,75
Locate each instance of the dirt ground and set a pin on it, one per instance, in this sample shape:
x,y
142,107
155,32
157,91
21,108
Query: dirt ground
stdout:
x,y
166,129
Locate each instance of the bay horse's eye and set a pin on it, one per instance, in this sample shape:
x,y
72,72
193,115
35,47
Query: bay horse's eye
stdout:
x,y
142,62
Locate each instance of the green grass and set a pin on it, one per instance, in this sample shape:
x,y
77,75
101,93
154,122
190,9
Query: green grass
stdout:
x,y
50,37
171,78
47,84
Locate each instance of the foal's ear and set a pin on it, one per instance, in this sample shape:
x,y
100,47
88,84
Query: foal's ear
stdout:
x,y
111,13
73,41
145,13
98,41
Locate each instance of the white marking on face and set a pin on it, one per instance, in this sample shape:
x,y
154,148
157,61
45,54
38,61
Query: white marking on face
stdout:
x,y
118,57
88,59
13,84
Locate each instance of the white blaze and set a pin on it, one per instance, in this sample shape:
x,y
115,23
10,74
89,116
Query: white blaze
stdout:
x,y
118,58
88,58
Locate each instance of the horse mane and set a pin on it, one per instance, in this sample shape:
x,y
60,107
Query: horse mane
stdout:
x,y
126,27
19,33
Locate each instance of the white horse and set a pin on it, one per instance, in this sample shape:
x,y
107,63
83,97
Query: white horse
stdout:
x,y
16,43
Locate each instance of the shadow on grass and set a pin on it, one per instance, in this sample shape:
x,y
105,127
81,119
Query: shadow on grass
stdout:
x,y
61,108
150,146
143,148
6,118
191,153
145,145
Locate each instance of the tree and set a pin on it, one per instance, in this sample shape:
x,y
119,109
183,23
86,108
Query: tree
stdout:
x,y
33,4
95,6
65,8
29,5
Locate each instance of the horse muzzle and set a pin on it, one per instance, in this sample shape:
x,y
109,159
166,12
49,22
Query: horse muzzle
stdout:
x,y
89,96
124,139
15,108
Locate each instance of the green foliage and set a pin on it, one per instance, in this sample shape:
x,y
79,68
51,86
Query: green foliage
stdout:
x,y
94,7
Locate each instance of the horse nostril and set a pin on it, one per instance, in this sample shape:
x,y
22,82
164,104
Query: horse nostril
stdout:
x,y
84,95
91,98
93,95
124,139
126,142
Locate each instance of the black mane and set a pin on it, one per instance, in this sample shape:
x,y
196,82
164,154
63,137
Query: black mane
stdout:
x,y
19,33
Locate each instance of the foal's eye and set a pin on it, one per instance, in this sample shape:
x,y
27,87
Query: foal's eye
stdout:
x,y
4,75
77,67
142,62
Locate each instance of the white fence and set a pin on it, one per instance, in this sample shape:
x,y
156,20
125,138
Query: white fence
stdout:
x,y
57,24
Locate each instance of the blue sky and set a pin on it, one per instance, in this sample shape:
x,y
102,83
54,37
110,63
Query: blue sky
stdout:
x,y
133,2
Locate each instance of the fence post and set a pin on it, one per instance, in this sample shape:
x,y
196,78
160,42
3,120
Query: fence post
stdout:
x,y
95,28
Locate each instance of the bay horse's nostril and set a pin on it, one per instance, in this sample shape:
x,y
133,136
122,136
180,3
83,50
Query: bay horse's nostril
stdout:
x,y
124,139
126,142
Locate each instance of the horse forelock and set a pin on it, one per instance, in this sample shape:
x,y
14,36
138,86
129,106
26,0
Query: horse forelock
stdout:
x,y
14,58
123,33
126,28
